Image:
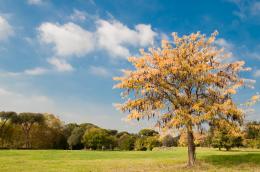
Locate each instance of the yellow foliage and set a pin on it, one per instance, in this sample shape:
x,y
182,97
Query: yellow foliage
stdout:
x,y
184,84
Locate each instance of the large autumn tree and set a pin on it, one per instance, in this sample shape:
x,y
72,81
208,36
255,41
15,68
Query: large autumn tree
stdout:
x,y
184,84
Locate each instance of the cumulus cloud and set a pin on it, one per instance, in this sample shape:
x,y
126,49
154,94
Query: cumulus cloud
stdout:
x,y
221,42
36,71
6,29
228,48
114,37
68,39
60,64
99,71
71,40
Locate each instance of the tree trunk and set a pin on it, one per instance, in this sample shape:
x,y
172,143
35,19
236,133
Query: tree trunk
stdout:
x,y
27,144
191,148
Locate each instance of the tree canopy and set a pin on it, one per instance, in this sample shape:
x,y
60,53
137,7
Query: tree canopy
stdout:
x,y
184,84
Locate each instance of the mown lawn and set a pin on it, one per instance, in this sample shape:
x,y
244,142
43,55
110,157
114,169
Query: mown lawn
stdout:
x,y
149,161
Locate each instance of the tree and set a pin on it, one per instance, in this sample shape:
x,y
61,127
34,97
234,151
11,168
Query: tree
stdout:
x,y
126,142
26,120
252,134
75,138
169,141
97,138
118,135
5,117
140,144
152,142
252,130
185,85
148,132
222,138
50,135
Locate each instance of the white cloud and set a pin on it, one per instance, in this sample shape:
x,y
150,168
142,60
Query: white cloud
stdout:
x,y
71,40
35,71
78,15
221,42
257,73
11,100
228,48
115,37
99,71
68,39
60,64
34,2
6,29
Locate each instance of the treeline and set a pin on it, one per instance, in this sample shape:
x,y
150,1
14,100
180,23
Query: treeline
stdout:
x,y
46,131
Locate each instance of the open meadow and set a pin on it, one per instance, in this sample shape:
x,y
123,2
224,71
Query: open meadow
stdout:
x,y
170,160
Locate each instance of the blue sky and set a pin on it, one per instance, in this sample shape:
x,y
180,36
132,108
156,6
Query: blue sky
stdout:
x,y
60,56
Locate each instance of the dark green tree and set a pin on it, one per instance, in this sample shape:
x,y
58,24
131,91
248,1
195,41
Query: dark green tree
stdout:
x,y
169,141
26,120
148,132
97,138
152,142
222,138
75,138
5,117
126,142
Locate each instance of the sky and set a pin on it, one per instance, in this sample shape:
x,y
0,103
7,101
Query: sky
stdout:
x,y
59,56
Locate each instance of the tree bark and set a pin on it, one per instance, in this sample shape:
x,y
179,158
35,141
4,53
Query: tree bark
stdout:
x,y
191,148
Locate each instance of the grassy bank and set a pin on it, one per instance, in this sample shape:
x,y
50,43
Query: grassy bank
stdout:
x,y
174,160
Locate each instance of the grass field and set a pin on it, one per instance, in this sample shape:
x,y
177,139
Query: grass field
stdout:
x,y
174,160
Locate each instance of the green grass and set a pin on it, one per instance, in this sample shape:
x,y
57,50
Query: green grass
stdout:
x,y
174,160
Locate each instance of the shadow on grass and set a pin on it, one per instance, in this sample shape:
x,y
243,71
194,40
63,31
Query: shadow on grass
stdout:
x,y
233,160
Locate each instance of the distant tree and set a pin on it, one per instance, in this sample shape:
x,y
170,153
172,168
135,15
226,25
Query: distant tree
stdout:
x,y
184,84
252,134
152,142
222,138
51,131
112,132
148,132
5,117
75,138
252,130
169,141
97,138
87,126
26,120
140,144
68,128
126,142
118,135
